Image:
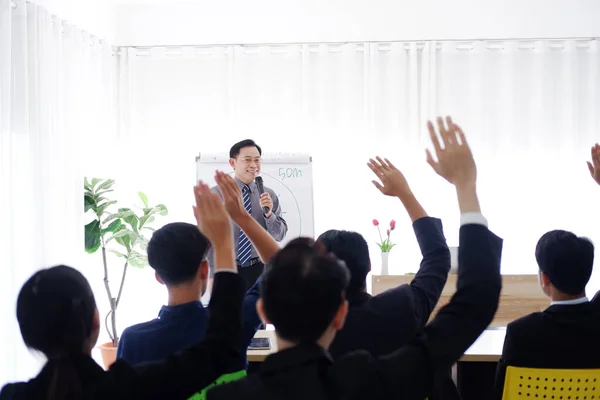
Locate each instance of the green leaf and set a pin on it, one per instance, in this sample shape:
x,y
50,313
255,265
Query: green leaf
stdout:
x,y
120,214
138,260
107,184
124,241
130,218
103,192
146,219
92,236
122,234
162,209
144,198
142,243
89,202
113,227
102,207
86,185
95,182
118,254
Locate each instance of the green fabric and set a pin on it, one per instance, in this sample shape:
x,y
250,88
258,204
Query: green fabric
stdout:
x,y
234,376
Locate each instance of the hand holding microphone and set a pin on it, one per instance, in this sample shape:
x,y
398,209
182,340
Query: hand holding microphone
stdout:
x,y
266,202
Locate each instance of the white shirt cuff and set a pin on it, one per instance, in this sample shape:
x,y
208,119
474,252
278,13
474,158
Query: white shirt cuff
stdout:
x,y
226,270
476,218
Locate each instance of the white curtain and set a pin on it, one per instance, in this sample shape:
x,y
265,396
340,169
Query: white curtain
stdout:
x,y
56,102
530,110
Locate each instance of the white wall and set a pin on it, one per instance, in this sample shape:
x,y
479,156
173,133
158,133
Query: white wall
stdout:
x,y
290,21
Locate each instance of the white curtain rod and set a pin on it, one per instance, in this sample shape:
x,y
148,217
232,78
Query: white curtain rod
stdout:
x,y
583,38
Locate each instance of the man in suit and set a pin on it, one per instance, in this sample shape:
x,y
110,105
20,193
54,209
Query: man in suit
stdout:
x,y
380,324
303,294
566,334
245,159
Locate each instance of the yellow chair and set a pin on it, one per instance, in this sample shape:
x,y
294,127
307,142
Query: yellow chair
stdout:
x,y
551,384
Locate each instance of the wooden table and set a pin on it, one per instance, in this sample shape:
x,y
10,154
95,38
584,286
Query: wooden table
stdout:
x,y
488,348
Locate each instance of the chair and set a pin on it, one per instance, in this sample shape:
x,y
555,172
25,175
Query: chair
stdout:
x,y
551,384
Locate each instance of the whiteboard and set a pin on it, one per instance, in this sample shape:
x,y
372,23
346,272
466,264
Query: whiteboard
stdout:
x,y
290,177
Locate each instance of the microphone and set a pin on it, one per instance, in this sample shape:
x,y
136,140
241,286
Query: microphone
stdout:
x,y
261,190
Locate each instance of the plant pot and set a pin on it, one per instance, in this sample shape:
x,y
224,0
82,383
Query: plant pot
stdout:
x,y
384,262
109,354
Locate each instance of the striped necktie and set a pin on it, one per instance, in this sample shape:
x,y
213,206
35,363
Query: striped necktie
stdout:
x,y
244,246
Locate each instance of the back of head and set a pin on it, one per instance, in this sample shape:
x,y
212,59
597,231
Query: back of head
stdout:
x,y
566,259
352,249
176,251
236,148
302,290
55,310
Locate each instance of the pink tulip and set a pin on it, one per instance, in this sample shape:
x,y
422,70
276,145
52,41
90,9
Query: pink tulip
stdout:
x,y
375,222
392,225
388,232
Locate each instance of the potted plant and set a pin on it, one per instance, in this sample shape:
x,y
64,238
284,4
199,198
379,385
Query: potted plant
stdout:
x,y
122,233
385,245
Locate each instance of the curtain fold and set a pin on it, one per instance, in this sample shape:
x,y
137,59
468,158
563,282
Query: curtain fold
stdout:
x,y
56,104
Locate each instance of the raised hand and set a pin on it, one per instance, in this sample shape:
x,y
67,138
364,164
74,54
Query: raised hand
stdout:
x,y
455,161
392,180
232,195
594,166
211,216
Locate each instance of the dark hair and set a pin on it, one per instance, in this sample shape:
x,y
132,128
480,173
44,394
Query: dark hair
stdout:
x,y
302,289
236,148
566,259
176,251
352,249
55,310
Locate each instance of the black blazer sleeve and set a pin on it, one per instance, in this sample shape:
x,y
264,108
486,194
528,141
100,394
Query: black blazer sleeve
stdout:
x,y
181,376
428,283
410,371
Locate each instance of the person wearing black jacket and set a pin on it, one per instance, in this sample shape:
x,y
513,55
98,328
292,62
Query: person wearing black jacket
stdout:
x,y
303,296
57,315
382,323
566,334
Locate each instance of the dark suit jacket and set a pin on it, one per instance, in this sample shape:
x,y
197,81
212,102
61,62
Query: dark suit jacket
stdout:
x,y
562,336
178,377
308,372
381,324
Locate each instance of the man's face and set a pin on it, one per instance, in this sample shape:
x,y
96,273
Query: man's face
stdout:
x,y
247,164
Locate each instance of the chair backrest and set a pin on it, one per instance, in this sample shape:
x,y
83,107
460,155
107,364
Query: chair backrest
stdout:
x,y
551,384
521,295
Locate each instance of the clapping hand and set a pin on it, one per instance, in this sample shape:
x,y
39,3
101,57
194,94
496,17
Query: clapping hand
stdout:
x,y
455,161
594,166
392,180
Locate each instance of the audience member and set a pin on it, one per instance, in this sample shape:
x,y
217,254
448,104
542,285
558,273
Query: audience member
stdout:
x,y
57,316
303,294
177,253
383,323
566,334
